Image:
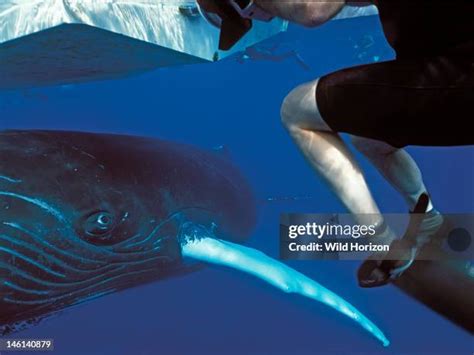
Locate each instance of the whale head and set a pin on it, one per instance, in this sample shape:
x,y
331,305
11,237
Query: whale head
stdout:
x,y
83,215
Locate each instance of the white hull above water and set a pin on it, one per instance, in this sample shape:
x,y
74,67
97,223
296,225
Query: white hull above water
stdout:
x,y
50,42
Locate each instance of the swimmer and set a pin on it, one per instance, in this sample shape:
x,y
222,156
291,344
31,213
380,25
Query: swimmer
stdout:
x,y
258,53
423,97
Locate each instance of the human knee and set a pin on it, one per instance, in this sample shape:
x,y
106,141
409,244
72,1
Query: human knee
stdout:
x,y
289,109
371,147
299,106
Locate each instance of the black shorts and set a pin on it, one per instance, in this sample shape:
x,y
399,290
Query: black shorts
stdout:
x,y
411,101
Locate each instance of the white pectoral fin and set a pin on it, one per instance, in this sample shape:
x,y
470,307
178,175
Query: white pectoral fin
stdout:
x,y
252,261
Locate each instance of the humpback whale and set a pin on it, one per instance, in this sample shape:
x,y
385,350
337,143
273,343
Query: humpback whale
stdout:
x,y
83,215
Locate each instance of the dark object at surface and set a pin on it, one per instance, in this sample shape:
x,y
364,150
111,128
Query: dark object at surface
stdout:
x,y
424,97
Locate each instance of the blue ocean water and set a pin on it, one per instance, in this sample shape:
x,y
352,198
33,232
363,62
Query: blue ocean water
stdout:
x,y
218,311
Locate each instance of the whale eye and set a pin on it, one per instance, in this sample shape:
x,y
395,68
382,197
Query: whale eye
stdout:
x,y
99,223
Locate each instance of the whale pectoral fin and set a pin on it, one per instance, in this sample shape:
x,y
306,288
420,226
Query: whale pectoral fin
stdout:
x,y
252,261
